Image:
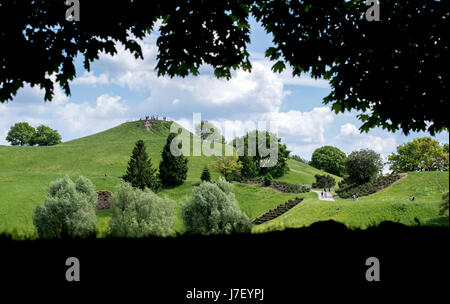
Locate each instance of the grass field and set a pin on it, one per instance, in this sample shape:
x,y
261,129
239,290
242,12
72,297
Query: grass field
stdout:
x,y
390,204
25,173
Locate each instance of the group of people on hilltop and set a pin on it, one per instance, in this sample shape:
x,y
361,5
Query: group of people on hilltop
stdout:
x,y
154,117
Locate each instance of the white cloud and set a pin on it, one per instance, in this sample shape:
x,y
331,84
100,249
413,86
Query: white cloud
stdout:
x,y
89,78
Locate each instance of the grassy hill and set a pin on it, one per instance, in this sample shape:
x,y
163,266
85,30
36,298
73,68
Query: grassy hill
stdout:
x,y
390,204
25,173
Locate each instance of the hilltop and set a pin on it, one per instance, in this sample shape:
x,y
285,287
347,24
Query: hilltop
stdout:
x,y
25,172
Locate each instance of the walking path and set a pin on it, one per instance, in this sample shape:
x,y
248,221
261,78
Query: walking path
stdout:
x,y
328,198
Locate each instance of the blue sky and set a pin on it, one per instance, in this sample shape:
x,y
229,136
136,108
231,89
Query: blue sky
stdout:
x,y
121,88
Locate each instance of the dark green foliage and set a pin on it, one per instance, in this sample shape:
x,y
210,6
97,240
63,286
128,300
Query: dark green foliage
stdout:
x,y
137,213
280,186
362,166
249,168
329,159
324,181
444,204
253,165
329,39
268,179
206,176
68,210
45,136
207,131
299,159
212,209
21,134
290,188
140,173
276,212
377,184
172,169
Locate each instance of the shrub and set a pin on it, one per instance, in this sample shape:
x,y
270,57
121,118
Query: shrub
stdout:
x,y
348,190
68,210
212,209
268,179
172,169
140,173
206,176
444,204
140,213
324,181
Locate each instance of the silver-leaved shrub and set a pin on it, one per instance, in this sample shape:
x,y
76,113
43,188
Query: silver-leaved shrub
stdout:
x,y
212,209
140,213
68,210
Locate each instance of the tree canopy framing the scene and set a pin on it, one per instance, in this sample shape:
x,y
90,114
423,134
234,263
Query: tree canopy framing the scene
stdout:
x,y
392,71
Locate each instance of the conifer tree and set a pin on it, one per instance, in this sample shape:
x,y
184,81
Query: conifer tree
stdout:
x,y
206,176
140,173
172,169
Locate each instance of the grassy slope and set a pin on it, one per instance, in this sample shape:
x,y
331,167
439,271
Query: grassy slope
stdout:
x,y
25,173
391,204
301,173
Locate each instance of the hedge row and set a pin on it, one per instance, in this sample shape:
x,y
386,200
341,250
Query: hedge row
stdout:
x,y
347,191
276,212
280,186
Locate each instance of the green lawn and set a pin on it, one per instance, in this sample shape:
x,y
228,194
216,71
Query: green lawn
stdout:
x,y
25,173
390,204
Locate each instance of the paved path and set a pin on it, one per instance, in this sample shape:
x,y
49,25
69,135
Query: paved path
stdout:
x,y
328,198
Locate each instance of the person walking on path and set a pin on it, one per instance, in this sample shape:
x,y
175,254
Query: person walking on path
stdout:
x,y
353,197
357,196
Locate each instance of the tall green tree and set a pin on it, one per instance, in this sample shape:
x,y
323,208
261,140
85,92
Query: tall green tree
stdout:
x,y
420,154
21,134
45,136
329,39
140,172
172,169
208,131
254,163
329,159
362,166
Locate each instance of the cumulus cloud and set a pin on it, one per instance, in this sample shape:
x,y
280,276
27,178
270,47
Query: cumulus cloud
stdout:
x,y
71,119
89,78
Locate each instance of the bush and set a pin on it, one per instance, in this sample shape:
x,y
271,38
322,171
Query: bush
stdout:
x,y
140,173
324,181
212,209
68,210
140,213
348,190
206,176
268,179
444,204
